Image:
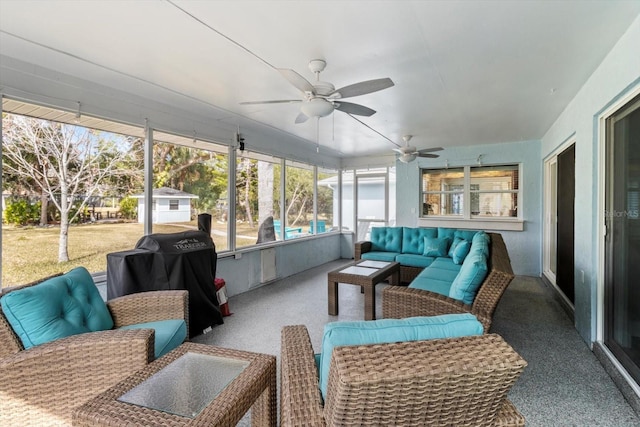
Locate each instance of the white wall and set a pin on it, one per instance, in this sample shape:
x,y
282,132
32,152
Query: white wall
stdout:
x,y
616,76
244,273
524,246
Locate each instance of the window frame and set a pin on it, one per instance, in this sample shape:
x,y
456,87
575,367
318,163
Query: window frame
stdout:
x,y
467,220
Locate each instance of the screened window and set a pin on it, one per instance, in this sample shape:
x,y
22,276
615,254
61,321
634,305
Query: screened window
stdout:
x,y
468,192
174,204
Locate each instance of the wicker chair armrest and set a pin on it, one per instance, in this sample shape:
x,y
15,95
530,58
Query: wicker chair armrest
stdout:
x,y
43,384
300,399
149,306
463,381
399,302
360,248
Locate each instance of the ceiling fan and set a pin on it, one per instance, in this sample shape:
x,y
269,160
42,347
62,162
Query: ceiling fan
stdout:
x,y
409,153
321,98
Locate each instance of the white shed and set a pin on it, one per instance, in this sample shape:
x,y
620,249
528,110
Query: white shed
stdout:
x,y
169,205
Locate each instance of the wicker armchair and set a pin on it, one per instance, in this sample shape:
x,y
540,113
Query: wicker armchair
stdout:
x,y
41,385
400,302
455,381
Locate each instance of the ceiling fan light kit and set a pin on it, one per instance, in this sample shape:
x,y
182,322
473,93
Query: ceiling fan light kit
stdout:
x,y
321,98
409,153
317,107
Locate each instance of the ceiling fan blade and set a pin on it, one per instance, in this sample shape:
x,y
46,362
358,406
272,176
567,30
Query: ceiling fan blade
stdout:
x,y
397,150
301,118
431,156
351,108
278,101
297,80
363,88
429,150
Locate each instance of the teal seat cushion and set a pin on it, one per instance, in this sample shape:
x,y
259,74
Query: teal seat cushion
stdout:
x,y
436,247
441,287
380,256
411,260
169,334
413,239
381,331
445,264
386,239
474,270
444,274
59,307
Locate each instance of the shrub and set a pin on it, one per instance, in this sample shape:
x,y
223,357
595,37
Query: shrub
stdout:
x,y
21,212
128,207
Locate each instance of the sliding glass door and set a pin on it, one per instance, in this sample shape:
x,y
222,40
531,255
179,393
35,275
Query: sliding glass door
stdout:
x,y
622,242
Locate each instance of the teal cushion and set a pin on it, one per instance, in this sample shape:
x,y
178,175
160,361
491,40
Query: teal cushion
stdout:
x,y
454,245
466,284
445,264
481,240
441,287
380,256
169,334
465,234
436,247
386,239
461,251
413,239
446,232
381,331
56,308
411,260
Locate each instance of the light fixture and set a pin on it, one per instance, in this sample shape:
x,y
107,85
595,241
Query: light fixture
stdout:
x,y
480,159
77,119
407,158
317,107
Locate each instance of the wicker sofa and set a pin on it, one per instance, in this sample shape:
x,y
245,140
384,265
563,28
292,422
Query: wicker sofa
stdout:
x,y
428,293
41,385
401,301
453,381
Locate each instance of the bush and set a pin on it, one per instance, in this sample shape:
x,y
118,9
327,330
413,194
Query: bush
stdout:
x,y
128,207
21,212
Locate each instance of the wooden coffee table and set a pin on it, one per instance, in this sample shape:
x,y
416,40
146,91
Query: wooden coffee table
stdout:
x,y
195,384
366,274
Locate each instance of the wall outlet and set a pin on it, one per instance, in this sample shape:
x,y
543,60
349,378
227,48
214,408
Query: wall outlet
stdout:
x,y
582,276
237,255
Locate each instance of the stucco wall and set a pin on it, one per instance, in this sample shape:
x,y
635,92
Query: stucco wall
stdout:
x,y
524,246
617,76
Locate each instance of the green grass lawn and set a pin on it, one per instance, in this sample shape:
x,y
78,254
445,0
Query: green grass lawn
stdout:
x,y
31,253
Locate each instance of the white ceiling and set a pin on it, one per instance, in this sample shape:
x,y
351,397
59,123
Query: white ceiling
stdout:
x,y
465,72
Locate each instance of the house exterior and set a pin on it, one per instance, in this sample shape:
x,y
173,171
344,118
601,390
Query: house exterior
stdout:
x,y
169,205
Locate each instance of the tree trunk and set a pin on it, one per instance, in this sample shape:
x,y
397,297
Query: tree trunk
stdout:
x,y
44,204
265,191
63,243
247,193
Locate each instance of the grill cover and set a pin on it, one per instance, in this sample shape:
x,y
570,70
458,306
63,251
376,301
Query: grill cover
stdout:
x,y
170,261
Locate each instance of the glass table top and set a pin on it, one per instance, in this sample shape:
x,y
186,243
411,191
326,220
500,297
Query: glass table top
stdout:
x,y
187,385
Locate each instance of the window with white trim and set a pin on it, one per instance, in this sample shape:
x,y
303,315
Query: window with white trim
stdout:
x,y
471,192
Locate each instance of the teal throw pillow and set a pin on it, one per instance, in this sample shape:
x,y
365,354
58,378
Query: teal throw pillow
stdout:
x,y
454,245
383,331
460,251
435,247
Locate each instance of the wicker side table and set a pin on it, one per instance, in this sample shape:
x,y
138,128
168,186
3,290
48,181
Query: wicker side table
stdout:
x,y
253,388
364,273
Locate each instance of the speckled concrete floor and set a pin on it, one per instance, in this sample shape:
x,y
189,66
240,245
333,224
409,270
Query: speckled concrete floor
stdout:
x,y
564,384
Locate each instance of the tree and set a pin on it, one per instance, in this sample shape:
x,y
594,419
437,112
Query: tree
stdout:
x,y
68,163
